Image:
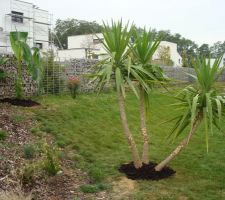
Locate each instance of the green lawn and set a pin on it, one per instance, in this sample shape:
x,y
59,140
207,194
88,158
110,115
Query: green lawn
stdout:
x,y
91,127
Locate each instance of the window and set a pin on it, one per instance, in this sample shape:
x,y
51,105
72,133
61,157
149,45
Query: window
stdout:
x,y
17,17
39,45
97,41
94,56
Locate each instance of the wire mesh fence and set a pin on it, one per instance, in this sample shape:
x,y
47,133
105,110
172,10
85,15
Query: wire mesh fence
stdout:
x,y
53,75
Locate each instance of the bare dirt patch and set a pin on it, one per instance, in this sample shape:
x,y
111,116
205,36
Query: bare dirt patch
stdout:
x,y
63,186
123,188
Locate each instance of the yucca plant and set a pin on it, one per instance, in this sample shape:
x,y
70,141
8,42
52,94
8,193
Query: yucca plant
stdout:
x,y
143,49
22,53
200,103
117,68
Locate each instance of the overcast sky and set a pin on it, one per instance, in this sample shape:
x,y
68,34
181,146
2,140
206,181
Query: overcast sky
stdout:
x,y
200,20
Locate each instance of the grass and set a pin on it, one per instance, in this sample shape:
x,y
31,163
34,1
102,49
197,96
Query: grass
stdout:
x,y
90,126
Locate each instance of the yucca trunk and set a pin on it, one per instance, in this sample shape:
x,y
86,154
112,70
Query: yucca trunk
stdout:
x,y
145,154
127,132
180,147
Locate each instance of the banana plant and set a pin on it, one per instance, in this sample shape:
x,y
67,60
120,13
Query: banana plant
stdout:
x,y
200,103
145,45
3,60
118,69
23,53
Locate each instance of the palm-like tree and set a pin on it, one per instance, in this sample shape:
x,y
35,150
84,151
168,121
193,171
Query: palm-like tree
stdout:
x,y
117,68
201,102
143,49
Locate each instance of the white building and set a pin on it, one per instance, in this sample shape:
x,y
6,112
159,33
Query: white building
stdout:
x,y
83,46
174,55
89,46
222,63
17,15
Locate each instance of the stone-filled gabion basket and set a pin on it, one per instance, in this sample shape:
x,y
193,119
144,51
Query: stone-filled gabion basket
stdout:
x,y
7,84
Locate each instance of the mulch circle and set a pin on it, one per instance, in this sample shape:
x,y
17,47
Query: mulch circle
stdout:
x,y
146,172
20,102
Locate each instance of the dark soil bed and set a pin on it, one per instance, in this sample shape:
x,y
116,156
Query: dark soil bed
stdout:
x,y
146,172
20,102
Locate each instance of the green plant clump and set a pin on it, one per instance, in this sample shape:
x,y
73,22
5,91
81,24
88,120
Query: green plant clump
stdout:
x,y
93,188
3,135
29,151
51,162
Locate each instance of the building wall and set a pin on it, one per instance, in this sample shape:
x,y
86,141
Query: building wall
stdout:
x,y
30,15
174,55
86,41
41,29
71,54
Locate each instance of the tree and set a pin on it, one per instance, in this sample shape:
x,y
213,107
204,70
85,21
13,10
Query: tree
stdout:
x,y
144,48
69,27
89,45
217,49
118,68
164,56
201,102
204,50
184,59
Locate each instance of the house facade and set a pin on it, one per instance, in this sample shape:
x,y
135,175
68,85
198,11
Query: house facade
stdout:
x,y
17,15
83,46
90,46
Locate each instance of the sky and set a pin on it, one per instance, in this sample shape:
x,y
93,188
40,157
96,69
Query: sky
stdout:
x,y
202,21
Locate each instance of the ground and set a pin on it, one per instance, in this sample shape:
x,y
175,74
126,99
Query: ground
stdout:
x,y
88,132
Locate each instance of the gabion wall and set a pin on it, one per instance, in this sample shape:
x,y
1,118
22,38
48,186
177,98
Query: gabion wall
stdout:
x,y
179,74
7,85
80,68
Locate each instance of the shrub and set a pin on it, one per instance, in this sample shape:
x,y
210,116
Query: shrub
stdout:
x,y
29,151
3,135
73,85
